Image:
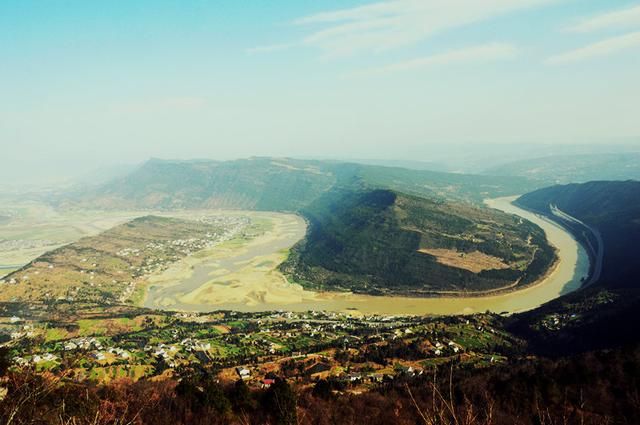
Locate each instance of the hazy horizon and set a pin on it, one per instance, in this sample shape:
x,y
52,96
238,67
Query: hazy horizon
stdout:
x,y
87,86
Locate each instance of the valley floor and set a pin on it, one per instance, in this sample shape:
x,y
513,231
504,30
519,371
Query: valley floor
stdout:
x,y
241,274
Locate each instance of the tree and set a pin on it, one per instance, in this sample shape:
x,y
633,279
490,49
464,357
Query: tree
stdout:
x,y
240,396
200,391
5,361
322,389
281,402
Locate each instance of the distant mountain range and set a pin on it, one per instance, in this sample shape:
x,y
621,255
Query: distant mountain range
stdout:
x,y
278,184
562,169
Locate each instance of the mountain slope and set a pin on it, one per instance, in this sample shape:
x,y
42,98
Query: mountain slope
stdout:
x,y
107,268
613,208
372,228
562,169
260,184
604,314
279,184
378,241
467,187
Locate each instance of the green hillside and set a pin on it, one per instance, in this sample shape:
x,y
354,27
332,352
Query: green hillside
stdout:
x,y
260,184
380,241
604,314
372,229
613,208
278,184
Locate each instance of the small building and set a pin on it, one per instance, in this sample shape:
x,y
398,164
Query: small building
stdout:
x,y
376,377
355,377
267,382
243,373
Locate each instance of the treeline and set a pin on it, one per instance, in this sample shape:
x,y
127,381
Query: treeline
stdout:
x,y
593,388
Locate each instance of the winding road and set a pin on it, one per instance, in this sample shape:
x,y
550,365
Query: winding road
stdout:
x,y
597,252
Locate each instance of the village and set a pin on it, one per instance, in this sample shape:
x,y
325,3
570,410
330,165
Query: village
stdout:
x,y
84,324
111,268
350,350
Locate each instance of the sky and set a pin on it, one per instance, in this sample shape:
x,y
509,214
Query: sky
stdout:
x,y
88,84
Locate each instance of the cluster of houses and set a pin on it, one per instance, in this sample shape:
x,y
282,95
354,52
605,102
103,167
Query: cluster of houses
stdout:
x,y
98,351
36,359
127,292
321,369
557,321
170,353
84,344
26,331
115,353
267,337
156,257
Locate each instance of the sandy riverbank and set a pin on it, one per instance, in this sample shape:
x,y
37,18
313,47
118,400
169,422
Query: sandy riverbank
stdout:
x,y
243,277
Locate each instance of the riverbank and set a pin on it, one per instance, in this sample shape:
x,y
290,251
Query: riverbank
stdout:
x,y
241,271
246,279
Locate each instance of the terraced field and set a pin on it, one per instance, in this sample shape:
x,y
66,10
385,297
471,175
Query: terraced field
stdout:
x,y
111,267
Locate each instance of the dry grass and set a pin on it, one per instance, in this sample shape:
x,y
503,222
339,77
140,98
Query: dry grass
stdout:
x,y
475,261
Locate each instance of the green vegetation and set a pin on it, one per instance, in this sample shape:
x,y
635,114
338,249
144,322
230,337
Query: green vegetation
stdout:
x,y
371,227
333,368
613,208
604,314
130,344
280,184
374,241
308,366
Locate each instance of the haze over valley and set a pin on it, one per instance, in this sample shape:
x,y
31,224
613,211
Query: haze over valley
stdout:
x,y
316,213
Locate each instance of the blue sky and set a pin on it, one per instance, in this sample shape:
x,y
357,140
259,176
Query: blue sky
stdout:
x,y
100,82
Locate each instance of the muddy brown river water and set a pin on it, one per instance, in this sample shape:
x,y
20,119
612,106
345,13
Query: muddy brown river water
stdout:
x,y
231,282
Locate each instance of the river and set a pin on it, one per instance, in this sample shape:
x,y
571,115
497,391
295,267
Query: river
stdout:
x,y
258,296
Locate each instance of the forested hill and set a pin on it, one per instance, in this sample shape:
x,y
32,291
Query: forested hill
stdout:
x,y
613,208
372,229
260,184
604,315
278,184
382,241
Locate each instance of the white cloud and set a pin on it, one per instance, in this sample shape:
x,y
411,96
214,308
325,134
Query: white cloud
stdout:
x,y
601,48
474,54
388,24
625,18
